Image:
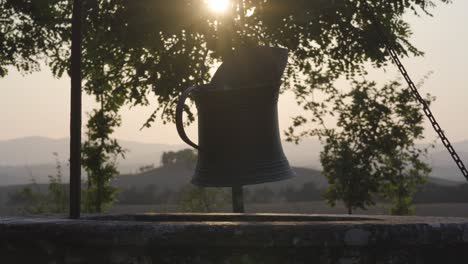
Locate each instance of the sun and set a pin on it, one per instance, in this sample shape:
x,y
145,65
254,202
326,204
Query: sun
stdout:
x,y
218,6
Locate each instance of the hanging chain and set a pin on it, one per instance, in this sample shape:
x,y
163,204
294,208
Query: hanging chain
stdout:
x,y
414,90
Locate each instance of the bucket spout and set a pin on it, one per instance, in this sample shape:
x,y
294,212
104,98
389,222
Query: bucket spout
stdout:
x,y
251,66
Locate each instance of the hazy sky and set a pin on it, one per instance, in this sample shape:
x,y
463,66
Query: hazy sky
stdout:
x,y
38,104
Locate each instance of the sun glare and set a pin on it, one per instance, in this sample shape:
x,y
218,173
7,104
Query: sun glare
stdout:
x,y
218,6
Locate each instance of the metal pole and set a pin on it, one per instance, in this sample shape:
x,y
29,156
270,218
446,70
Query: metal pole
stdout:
x,y
237,199
75,112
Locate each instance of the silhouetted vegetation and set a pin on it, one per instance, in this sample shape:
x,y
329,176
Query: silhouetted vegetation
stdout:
x,y
203,199
99,154
186,158
35,199
428,193
132,49
373,151
41,198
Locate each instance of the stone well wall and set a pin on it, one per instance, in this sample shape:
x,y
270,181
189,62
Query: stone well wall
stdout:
x,y
231,238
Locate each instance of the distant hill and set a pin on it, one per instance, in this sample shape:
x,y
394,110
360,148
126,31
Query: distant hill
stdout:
x,y
32,157
23,158
174,177
164,177
32,151
14,175
443,182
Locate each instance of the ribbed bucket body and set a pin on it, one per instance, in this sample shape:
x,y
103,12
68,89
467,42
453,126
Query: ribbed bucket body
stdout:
x,y
238,135
239,138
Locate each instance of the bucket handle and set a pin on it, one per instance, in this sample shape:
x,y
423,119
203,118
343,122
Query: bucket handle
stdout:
x,y
179,113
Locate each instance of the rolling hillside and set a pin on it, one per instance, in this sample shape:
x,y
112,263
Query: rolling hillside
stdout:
x,y
26,158
174,177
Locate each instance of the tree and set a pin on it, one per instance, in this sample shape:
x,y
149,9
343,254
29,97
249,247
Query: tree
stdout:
x,y
99,159
186,158
27,35
405,173
372,151
135,49
349,172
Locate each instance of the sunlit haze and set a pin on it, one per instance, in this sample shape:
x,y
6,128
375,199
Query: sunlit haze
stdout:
x,y
38,104
218,6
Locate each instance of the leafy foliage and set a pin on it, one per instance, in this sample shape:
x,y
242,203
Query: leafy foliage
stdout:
x,y
134,49
186,158
99,155
31,31
405,172
350,174
372,151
